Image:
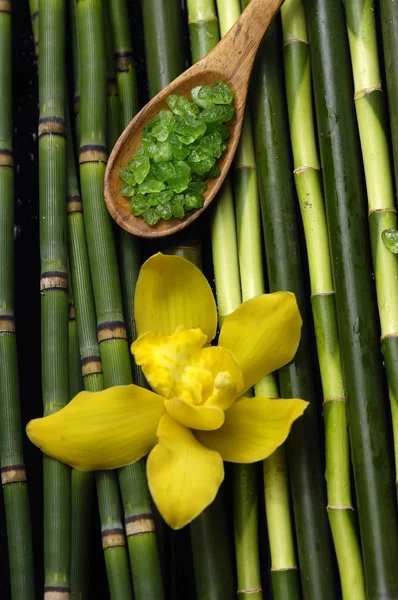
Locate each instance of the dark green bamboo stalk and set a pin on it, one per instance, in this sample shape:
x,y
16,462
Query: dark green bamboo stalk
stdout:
x,y
111,329
113,117
13,474
284,273
355,301
76,65
309,191
91,368
34,16
162,33
54,285
389,27
373,131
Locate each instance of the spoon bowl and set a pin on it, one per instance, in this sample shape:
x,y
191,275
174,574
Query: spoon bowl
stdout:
x,y
231,62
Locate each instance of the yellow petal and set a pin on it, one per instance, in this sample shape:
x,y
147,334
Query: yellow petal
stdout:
x,y
101,430
183,475
171,292
195,416
253,428
263,334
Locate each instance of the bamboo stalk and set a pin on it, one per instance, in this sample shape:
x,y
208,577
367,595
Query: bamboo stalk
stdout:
x,y
76,66
54,287
105,277
356,310
389,28
13,473
91,368
284,273
370,110
309,191
114,109
34,17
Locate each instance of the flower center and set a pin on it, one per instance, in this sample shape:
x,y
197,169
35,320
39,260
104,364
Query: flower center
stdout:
x,y
179,365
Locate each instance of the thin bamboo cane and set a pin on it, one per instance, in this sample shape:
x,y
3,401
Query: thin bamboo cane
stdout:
x,y
284,273
114,109
13,473
54,286
389,27
34,17
111,329
76,66
309,191
356,311
370,110
91,370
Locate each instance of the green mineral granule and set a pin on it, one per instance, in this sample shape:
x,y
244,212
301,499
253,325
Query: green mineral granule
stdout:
x,y
196,186
164,211
161,127
177,206
151,185
127,177
193,200
189,129
202,167
164,152
128,190
206,96
214,172
180,150
138,206
182,106
151,216
164,170
217,114
179,182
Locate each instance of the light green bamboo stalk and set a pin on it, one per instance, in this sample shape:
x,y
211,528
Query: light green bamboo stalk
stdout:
x,y
54,285
370,110
310,196
13,473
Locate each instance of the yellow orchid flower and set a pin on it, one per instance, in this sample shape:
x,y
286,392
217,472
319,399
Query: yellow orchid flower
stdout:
x,y
196,417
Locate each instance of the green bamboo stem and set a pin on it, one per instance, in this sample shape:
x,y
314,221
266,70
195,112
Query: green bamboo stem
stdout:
x,y
309,191
115,554
13,473
389,28
113,117
111,329
76,66
34,17
129,249
284,273
54,286
370,110
356,310
162,33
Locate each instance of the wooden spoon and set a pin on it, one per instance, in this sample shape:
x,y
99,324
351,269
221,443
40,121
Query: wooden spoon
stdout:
x,y
230,61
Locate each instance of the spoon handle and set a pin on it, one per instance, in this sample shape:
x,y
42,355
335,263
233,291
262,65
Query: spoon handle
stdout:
x,y
234,55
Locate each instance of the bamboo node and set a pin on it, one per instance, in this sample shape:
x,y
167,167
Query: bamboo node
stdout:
x,y
52,126
91,365
331,293
111,330
304,168
292,39
6,158
72,312
6,6
139,524
13,474
366,91
389,335
74,205
7,325
342,507
250,591
291,568
52,281
56,593
92,153
123,61
334,399
240,167
113,538
382,210
111,86
198,21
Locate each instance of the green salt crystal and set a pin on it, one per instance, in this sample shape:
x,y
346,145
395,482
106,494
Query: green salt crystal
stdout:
x,y
189,129
164,153
127,190
217,114
179,182
151,216
182,106
138,206
164,211
180,150
193,200
150,186
127,176
214,172
177,206
196,186
202,167
164,170
206,96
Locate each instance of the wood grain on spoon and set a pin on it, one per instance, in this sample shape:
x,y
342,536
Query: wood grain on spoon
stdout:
x,y
230,61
